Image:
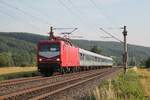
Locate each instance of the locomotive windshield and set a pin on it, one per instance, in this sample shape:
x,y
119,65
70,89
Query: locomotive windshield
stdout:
x,y
49,50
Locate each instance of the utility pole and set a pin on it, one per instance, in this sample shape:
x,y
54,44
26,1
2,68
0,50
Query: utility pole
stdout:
x,y
125,52
125,55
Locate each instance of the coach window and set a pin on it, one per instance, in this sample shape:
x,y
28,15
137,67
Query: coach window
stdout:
x,y
81,56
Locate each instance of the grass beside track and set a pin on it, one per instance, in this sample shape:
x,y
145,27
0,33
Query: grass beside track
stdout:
x,y
18,75
10,70
123,87
144,76
17,72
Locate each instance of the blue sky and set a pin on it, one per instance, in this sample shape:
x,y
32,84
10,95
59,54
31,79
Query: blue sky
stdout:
x,y
35,16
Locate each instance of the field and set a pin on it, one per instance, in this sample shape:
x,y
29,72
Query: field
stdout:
x,y
9,70
144,76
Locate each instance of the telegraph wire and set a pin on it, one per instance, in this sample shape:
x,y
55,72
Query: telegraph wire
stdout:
x,y
24,12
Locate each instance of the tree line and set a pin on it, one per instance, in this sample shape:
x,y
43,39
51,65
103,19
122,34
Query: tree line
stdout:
x,y
18,49
17,59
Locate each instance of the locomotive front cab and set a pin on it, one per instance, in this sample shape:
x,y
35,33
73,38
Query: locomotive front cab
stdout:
x,y
48,57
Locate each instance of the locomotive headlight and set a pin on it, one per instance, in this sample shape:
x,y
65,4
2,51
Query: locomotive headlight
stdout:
x,y
57,59
40,59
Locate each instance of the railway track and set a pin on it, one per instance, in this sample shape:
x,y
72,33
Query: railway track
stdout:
x,y
19,85
20,80
70,84
47,89
27,84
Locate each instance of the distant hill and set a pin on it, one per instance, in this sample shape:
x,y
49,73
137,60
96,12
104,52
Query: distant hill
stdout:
x,y
137,54
14,44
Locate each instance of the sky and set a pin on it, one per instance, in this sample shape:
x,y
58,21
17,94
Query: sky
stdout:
x,y
36,16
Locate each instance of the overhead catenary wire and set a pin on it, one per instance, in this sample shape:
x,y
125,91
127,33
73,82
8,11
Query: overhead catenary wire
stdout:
x,y
70,11
102,13
64,5
29,6
111,35
74,6
97,8
81,20
16,19
95,5
4,13
63,28
72,30
37,10
80,13
24,12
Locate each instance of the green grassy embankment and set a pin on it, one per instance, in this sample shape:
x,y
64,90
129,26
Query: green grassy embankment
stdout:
x,y
123,87
144,77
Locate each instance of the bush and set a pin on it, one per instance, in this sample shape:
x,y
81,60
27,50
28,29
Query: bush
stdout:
x,y
147,63
17,59
6,59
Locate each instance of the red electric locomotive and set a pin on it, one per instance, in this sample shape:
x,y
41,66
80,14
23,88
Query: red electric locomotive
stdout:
x,y
59,55
56,55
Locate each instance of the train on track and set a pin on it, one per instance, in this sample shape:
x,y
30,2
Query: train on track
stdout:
x,y
60,55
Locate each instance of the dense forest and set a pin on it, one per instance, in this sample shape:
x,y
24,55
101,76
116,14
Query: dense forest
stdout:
x,y
19,49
